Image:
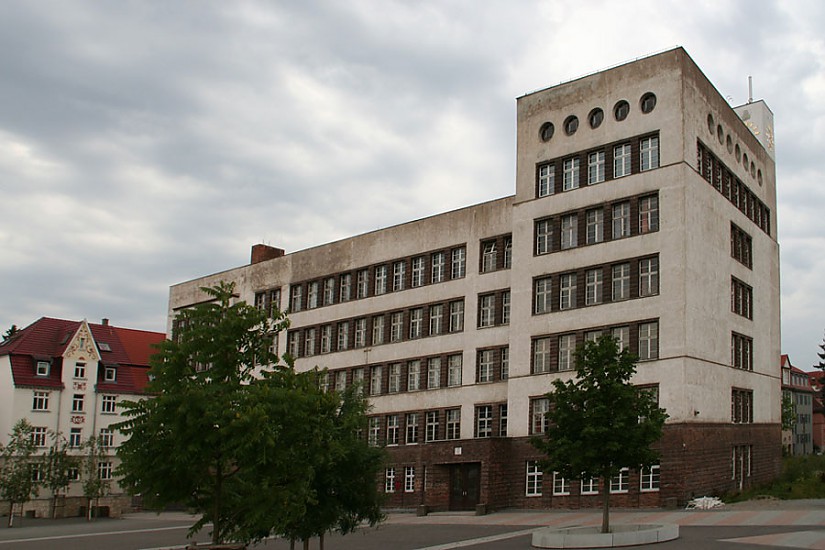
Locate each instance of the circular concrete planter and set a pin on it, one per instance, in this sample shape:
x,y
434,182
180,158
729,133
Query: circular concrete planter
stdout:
x,y
592,537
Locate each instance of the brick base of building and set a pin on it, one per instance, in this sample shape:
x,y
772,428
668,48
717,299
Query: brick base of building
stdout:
x,y
696,460
66,507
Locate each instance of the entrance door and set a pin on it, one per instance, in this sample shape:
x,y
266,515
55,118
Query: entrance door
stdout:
x,y
465,485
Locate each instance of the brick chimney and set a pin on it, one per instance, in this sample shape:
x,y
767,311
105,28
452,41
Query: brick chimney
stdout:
x,y
263,252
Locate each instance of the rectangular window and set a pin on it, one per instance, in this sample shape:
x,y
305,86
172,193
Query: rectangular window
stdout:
x,y
620,483
109,374
544,236
741,352
505,363
375,380
488,256
457,316
453,423
326,338
373,431
431,426
389,480
433,373
543,292
392,429
77,402
454,370
571,173
538,415
741,298
399,274
648,341
567,294
309,342
380,280
340,380
484,421
395,378
312,295
329,291
622,337
74,437
104,470
378,330
80,370
592,335
649,153
486,366
541,355
649,277
343,336
38,436
437,267
412,428
595,225
621,282
436,319
345,288
547,180
567,346
42,368
40,401
416,322
621,220
595,167
505,307
459,263
37,472
561,486
502,420
108,404
741,406
360,333
593,287
363,283
590,486
621,160
414,375
409,479
741,246
396,326
508,252
533,483
323,382
569,231
649,479
107,438
358,379
486,310
417,271
649,214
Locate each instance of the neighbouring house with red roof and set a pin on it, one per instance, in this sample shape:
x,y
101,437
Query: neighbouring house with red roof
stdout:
x,y
817,382
68,377
796,384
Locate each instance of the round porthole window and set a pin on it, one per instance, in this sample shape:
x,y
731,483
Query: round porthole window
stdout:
x,y
546,131
711,123
648,102
759,176
720,134
596,117
729,144
621,110
571,124
737,152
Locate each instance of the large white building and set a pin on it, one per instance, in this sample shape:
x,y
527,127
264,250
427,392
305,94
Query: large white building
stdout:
x,y
645,207
67,377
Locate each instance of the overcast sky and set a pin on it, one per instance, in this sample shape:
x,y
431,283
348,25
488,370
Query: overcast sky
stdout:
x,y
147,143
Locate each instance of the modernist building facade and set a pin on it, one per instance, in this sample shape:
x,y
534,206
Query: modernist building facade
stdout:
x,y
68,377
645,208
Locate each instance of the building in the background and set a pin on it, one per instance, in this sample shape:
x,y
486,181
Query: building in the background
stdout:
x,y
796,385
68,377
645,208
817,379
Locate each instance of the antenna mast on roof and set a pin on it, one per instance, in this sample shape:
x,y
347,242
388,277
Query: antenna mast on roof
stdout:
x,y
750,89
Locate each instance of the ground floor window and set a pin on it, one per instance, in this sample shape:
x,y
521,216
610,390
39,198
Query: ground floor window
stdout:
x,y
649,478
620,483
534,476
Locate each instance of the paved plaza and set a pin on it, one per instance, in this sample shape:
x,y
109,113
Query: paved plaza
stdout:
x,y
751,525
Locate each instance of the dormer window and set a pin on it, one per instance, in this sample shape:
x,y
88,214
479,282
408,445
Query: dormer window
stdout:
x,y
42,368
109,374
104,346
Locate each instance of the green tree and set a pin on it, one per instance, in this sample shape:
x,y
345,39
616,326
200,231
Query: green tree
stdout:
x,y
94,485
56,465
788,411
599,422
17,485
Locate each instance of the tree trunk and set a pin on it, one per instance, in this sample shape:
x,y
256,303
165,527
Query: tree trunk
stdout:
x,y
306,544
291,544
606,507
216,507
321,541
89,509
11,514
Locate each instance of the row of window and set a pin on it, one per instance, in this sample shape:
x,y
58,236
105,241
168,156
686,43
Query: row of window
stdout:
x,y
105,472
393,276
595,285
392,485
749,166
426,426
40,402
739,194
554,353
390,327
620,483
741,246
596,116
597,224
43,368
39,437
496,254
607,163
